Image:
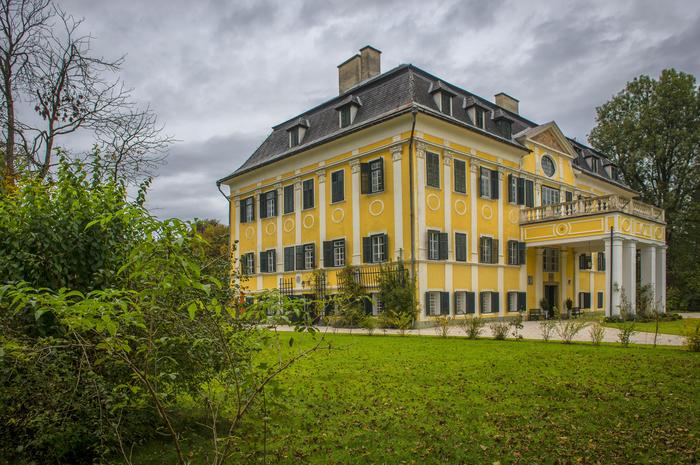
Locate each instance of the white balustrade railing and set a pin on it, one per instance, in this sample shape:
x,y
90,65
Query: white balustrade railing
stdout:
x,y
589,206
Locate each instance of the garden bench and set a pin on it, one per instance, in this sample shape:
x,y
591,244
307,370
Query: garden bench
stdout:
x,y
534,314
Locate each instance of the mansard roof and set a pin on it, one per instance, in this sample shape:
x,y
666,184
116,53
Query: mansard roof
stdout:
x,y
398,91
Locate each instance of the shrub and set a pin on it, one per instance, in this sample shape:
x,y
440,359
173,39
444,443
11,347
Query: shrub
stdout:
x,y
568,329
692,337
442,326
472,326
500,330
597,332
517,325
547,328
349,302
402,322
370,324
626,332
397,291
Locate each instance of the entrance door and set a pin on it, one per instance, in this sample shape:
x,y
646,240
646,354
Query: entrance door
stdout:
x,y
551,295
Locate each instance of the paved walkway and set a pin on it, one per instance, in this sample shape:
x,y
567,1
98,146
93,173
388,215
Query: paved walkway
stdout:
x,y
690,314
531,330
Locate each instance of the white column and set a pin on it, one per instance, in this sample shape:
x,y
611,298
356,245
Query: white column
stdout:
x,y
538,193
629,273
501,246
608,266
447,201
396,152
280,246
356,246
564,276
473,233
297,224
577,277
539,270
647,268
591,287
258,243
321,174
661,277
616,264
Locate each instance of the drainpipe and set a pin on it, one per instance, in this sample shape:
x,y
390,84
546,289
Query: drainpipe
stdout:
x,y
612,261
414,112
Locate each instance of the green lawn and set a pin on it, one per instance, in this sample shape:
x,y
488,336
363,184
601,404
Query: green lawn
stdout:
x,y
428,400
665,327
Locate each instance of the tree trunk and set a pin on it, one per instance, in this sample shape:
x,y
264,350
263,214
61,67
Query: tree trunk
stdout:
x,y
9,173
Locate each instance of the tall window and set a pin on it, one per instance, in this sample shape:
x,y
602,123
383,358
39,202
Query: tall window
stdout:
x,y
550,196
289,198
269,204
308,194
550,261
489,302
433,245
516,253
339,253
337,186
376,169
309,257
378,248
247,210
488,250
460,247
248,263
446,103
585,262
601,261
345,116
432,169
460,176
485,182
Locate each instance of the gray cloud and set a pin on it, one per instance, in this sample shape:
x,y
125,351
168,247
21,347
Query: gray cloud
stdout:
x,y
221,73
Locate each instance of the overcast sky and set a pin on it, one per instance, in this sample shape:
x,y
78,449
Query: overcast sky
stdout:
x,y
220,74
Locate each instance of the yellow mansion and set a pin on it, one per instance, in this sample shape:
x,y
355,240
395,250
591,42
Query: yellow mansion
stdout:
x,y
492,212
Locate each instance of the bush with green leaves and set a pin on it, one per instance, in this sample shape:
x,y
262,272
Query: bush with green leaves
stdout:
x,y
349,301
692,336
627,330
517,325
442,325
547,328
500,329
568,329
472,326
596,332
397,291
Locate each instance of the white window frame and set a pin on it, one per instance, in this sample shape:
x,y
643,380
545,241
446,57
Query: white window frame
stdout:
x,y
247,264
485,189
269,205
513,255
249,209
338,253
460,302
550,197
377,304
434,303
509,296
308,257
271,261
376,176
554,165
378,248
486,257
488,304
434,245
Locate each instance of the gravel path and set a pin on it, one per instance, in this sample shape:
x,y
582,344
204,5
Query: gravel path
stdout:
x,y
531,330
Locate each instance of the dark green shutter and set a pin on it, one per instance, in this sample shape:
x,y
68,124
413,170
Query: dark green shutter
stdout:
x,y
460,176
442,249
263,208
522,251
460,247
263,262
495,303
274,202
367,249
241,213
522,301
313,255
427,303
364,178
289,258
289,198
299,257
483,295
569,196
494,250
471,304
521,191
327,254
529,193
494,185
386,247
444,303
252,263
381,177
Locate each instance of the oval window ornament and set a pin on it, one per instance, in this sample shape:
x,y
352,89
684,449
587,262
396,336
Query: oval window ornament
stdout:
x,y
548,166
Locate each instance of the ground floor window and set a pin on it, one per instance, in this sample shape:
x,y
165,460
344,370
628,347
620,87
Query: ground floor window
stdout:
x,y
584,300
464,303
437,303
488,302
600,299
517,301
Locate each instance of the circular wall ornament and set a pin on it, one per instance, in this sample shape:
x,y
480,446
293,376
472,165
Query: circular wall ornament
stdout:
x,y
288,225
433,202
308,221
626,225
486,212
270,229
562,229
548,165
461,207
249,232
376,207
659,233
338,215
514,216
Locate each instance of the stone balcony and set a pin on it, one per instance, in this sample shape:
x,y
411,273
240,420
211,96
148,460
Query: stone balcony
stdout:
x,y
592,206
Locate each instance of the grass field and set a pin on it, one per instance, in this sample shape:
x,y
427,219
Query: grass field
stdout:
x,y
428,400
665,327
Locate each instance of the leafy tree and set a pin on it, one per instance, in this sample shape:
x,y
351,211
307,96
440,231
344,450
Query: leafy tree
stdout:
x,y
651,129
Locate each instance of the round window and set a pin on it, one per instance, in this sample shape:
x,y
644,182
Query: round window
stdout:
x,y
548,165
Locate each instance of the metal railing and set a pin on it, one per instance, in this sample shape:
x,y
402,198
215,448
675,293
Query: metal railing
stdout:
x,y
590,206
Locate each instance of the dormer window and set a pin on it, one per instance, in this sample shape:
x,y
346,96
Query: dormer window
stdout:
x,y
347,110
479,118
476,110
442,95
503,123
297,132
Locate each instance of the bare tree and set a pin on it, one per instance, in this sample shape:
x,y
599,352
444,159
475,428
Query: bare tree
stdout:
x,y
71,89
22,23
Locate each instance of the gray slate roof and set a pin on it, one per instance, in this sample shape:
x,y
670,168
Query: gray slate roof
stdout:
x,y
387,95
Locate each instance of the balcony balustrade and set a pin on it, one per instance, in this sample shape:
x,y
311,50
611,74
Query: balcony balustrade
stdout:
x,y
592,206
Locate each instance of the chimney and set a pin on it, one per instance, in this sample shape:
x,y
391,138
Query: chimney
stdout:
x,y
504,100
359,68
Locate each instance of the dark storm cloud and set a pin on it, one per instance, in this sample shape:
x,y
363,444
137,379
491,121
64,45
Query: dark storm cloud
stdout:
x,y
221,73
